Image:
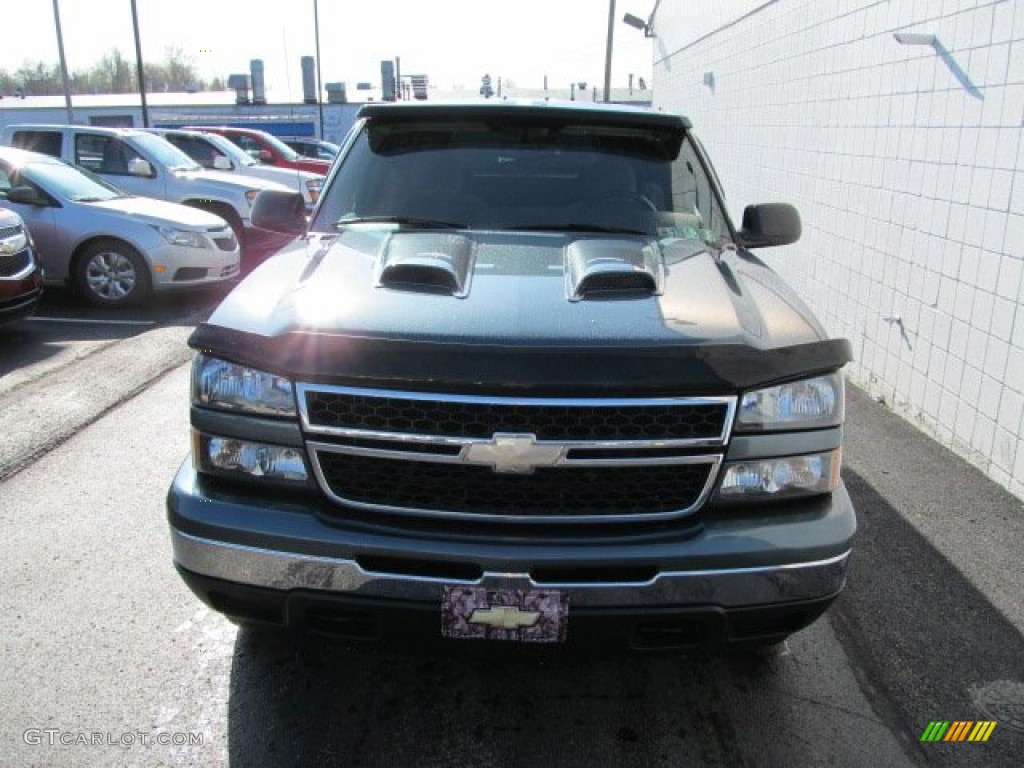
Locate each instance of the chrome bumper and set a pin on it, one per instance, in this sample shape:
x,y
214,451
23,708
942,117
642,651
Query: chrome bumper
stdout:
x,y
727,588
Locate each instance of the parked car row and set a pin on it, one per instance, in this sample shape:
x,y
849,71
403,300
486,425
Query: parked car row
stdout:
x,y
119,213
311,147
267,148
112,247
217,153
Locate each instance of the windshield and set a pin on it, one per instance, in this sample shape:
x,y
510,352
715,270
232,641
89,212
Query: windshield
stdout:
x,y
287,152
165,153
70,182
230,149
527,175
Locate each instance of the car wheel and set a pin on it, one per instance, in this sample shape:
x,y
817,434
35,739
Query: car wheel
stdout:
x,y
111,273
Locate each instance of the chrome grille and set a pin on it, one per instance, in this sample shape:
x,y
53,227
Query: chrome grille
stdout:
x,y
668,419
462,489
515,459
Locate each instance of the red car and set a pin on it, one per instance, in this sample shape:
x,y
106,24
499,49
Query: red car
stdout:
x,y
21,277
267,148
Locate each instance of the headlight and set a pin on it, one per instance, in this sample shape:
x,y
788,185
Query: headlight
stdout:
x,y
313,186
244,457
806,404
220,384
14,243
764,479
183,237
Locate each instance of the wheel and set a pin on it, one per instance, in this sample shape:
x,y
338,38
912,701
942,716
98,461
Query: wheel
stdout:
x,y
111,273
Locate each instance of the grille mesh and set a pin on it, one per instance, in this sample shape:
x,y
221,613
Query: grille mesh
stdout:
x,y
482,420
13,265
470,489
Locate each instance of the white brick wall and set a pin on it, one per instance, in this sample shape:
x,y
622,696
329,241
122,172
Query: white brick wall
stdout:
x,y
908,181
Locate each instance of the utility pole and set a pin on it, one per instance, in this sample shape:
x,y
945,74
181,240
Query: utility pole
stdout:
x,y
138,63
63,65
608,51
319,83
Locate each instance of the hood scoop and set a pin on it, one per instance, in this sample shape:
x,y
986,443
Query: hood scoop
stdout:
x,y
427,262
613,269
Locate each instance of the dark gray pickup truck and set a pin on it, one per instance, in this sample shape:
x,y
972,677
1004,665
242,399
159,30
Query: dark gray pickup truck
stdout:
x,y
520,378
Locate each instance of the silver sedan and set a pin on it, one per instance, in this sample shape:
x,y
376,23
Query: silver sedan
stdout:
x,y
112,247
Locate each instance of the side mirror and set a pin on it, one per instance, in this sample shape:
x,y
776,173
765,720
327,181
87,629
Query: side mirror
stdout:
x,y
280,211
222,163
139,167
265,157
25,196
770,224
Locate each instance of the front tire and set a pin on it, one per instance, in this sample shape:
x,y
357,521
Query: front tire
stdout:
x,y
111,273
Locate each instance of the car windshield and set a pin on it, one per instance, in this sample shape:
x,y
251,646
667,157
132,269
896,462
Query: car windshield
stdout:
x,y
164,152
523,175
287,152
230,149
70,182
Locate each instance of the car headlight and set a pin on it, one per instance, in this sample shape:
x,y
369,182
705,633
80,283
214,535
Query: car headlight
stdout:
x,y
184,237
313,187
14,243
220,384
784,476
805,404
263,461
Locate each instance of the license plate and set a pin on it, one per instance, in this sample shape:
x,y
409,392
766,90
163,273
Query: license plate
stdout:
x,y
524,616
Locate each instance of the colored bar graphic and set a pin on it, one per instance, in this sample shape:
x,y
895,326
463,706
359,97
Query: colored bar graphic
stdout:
x,y
935,731
982,730
958,730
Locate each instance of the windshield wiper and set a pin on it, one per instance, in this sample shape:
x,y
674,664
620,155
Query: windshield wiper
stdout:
x,y
574,228
406,221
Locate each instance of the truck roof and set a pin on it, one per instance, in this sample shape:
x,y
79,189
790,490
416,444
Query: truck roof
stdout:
x,y
580,112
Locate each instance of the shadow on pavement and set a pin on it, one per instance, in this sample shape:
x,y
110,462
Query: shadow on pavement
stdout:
x,y
922,637
312,702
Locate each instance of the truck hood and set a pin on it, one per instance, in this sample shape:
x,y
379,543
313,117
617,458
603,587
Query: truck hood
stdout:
x,y
506,310
286,176
158,213
230,182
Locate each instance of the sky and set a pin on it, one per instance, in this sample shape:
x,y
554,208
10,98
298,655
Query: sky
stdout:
x,y
454,42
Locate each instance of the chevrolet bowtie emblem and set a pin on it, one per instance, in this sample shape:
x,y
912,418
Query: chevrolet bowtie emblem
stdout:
x,y
513,453
504,617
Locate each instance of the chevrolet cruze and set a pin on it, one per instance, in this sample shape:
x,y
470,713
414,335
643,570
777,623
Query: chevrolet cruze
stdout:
x,y
114,248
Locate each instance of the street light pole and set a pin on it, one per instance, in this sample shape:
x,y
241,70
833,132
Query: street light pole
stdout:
x,y
63,64
138,64
608,51
319,84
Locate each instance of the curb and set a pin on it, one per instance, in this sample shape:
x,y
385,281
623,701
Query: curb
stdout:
x,y
43,413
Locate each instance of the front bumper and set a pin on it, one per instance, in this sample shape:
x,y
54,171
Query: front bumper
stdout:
x,y
179,266
733,578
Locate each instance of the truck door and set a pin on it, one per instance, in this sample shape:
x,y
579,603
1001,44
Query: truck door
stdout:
x,y
112,159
